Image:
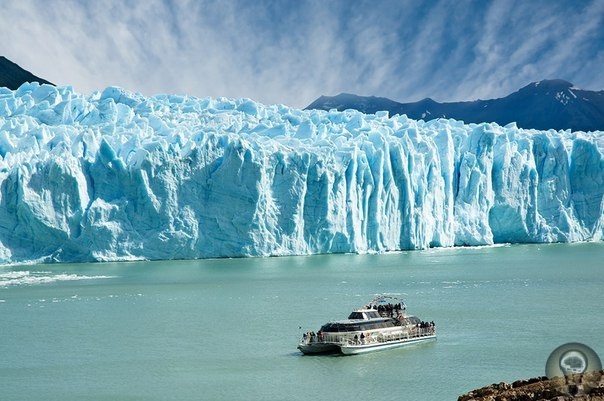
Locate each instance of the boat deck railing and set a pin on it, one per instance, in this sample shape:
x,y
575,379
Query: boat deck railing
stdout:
x,y
370,338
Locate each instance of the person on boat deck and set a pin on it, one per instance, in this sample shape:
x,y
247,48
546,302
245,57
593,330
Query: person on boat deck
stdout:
x,y
362,337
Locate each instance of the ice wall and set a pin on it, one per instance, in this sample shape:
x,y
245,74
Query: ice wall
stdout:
x,y
119,176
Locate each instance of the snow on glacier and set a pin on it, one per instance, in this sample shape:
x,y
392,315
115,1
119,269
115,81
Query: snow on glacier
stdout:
x,y
119,176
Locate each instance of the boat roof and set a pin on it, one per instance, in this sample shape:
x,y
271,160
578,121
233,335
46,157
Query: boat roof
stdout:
x,y
375,319
384,300
380,319
357,321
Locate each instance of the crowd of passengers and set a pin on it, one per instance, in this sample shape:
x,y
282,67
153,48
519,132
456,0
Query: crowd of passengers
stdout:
x,y
312,336
425,325
388,309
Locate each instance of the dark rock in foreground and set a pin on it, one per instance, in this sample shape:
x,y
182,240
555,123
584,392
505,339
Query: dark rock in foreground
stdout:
x,y
588,386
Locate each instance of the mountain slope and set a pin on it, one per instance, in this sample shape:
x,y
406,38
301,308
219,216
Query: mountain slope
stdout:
x,y
540,105
12,76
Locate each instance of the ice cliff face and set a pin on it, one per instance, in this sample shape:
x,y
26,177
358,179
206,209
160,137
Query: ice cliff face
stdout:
x,y
117,176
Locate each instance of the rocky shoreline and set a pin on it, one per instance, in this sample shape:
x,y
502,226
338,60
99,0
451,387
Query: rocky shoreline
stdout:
x,y
588,387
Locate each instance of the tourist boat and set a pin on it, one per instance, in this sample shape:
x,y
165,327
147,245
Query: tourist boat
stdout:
x,y
381,324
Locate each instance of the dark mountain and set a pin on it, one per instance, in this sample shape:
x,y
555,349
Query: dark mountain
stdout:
x,y
541,105
12,76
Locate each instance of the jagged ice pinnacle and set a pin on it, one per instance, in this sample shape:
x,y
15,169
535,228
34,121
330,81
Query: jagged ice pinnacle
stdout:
x,y
119,176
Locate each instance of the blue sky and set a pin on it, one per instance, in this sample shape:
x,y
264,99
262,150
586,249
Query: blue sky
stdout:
x,y
291,52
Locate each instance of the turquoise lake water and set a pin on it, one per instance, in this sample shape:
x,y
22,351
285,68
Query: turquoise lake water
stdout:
x,y
228,329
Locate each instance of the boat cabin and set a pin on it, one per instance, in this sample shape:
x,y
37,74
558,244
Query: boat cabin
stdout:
x,y
364,315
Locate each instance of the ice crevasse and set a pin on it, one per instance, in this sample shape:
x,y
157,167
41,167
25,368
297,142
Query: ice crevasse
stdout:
x,y
119,176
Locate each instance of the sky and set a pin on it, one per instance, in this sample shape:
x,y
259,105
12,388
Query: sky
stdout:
x,y
291,52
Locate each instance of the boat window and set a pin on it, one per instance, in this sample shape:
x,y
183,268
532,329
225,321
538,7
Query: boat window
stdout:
x,y
356,315
379,325
373,315
327,328
357,326
342,328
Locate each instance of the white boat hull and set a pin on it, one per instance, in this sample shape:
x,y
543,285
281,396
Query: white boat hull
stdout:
x,y
355,349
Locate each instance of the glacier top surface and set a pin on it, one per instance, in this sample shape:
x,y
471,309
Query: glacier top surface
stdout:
x,y
42,121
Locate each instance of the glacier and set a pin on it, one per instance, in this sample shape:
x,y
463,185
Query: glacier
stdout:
x,y
115,175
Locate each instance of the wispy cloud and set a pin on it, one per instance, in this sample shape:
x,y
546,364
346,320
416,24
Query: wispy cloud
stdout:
x,y
530,41
292,52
